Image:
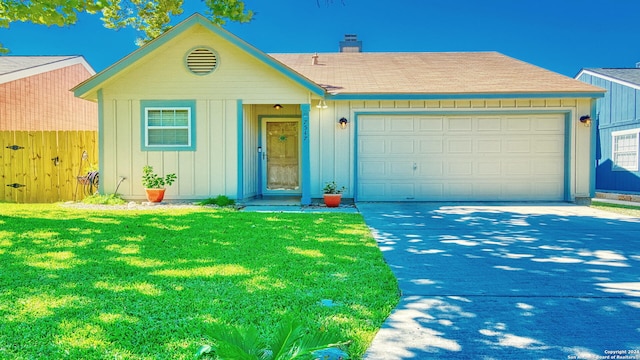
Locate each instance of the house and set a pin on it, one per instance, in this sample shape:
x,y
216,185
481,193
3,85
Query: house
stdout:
x,y
45,131
35,94
230,119
617,120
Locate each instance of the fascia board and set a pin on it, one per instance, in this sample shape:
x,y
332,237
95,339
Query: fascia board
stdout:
x,y
92,84
40,69
608,78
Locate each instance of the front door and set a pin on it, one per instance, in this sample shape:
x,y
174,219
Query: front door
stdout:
x,y
281,156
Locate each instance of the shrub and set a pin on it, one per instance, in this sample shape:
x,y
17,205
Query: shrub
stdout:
x,y
107,199
220,200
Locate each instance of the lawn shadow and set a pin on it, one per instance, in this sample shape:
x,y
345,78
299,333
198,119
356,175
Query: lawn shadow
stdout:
x,y
149,284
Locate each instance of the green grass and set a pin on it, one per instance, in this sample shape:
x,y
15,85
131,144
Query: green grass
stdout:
x,y
628,210
78,284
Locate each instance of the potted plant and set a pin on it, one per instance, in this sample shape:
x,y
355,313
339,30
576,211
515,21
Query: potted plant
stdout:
x,y
332,194
155,185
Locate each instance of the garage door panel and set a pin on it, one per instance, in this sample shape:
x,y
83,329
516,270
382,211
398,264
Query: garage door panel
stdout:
x,y
548,124
461,158
460,124
490,124
373,169
431,125
490,146
401,124
431,145
430,169
519,146
518,125
546,168
460,146
401,169
554,146
373,125
400,147
459,168
489,168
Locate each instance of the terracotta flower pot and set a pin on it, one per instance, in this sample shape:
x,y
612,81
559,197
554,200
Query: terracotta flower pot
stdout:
x,y
332,200
155,195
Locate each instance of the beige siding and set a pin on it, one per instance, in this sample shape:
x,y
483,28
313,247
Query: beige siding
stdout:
x,y
332,153
162,75
212,169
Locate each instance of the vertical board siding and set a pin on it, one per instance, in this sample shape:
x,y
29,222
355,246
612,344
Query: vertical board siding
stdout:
x,y
48,165
617,111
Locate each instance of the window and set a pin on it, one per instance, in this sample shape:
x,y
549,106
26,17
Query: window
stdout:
x,y
625,150
168,125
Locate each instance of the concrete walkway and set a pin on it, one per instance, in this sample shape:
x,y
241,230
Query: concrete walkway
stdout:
x,y
537,281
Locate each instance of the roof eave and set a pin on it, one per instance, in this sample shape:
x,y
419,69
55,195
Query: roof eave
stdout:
x,y
464,96
91,85
42,68
595,73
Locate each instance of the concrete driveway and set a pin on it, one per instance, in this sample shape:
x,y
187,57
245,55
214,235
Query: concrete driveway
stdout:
x,y
541,281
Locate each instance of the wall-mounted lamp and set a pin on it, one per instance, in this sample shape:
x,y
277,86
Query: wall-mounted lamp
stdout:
x,y
277,106
321,104
343,123
586,120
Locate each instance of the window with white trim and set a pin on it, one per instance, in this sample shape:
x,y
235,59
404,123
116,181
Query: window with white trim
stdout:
x,y
625,150
168,125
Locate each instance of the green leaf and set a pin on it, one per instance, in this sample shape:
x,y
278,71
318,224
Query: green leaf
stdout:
x,y
202,350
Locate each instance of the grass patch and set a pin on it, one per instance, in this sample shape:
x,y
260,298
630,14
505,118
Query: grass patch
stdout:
x,y
628,210
107,199
86,284
220,200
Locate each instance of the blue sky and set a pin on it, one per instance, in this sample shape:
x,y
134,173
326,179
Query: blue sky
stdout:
x,y
562,35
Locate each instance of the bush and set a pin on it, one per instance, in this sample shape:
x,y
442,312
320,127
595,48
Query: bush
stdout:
x,y
107,199
220,200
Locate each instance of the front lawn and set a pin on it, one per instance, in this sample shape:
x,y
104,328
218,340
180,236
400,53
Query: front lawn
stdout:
x,y
628,210
83,284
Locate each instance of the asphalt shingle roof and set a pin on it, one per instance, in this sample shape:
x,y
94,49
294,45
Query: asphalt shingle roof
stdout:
x,y
429,73
10,64
630,75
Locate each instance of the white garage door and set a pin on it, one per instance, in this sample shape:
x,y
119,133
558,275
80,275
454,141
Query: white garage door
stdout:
x,y
460,158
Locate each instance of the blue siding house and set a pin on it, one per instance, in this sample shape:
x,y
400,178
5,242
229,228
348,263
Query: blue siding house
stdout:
x,y
617,118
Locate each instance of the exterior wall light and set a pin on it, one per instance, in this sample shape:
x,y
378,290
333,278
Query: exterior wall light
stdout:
x,y
277,106
321,104
343,123
585,120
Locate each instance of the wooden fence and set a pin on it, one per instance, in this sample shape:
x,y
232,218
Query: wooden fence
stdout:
x,y
46,166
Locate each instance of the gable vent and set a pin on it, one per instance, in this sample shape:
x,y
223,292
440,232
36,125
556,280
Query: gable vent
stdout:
x,y
202,61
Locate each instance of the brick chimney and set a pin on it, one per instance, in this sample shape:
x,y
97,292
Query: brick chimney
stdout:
x,y
351,43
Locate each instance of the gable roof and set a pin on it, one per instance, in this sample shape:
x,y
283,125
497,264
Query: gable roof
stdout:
x,y
18,67
351,75
385,75
88,88
625,76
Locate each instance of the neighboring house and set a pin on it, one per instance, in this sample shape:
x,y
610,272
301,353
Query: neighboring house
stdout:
x,y
230,119
35,94
617,118
47,135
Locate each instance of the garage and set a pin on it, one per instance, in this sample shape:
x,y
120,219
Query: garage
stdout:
x,y
461,157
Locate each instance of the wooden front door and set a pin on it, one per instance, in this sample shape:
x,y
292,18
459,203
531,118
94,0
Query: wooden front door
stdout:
x,y
281,157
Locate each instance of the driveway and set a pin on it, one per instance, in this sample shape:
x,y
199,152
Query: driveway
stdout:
x,y
541,281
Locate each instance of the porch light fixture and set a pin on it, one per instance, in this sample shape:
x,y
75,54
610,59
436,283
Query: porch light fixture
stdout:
x,y
277,106
322,104
343,123
585,120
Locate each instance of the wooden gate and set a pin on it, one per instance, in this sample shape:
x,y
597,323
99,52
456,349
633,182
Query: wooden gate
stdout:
x,y
44,166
